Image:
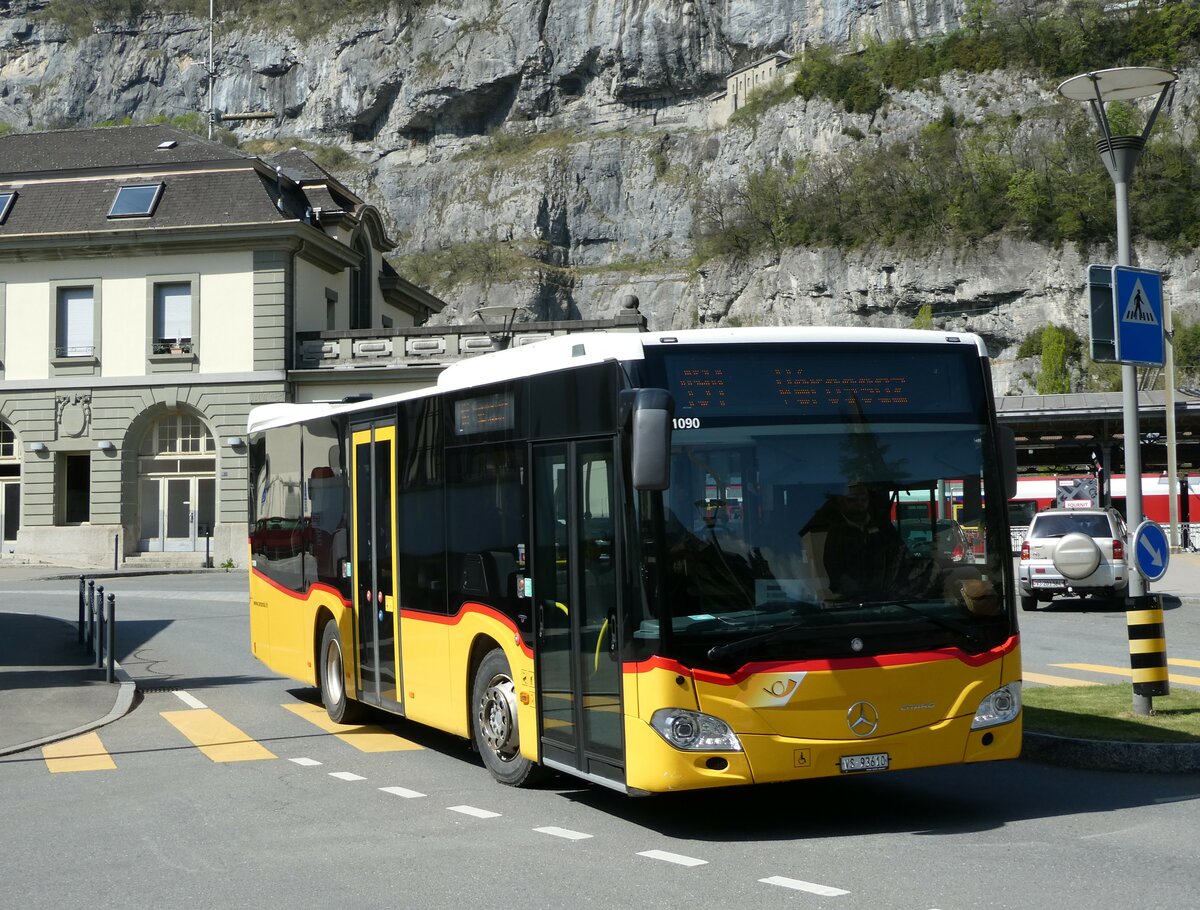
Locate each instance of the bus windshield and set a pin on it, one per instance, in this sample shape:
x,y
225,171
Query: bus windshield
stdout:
x,y
828,531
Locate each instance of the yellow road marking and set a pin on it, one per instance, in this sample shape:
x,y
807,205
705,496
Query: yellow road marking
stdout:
x,y
363,737
215,736
1128,673
1182,662
1047,680
80,753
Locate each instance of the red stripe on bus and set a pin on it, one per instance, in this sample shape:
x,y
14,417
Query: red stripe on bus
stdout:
x,y
296,595
816,666
470,607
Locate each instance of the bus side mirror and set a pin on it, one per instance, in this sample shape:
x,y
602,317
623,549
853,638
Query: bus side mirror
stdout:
x,y
652,413
1006,445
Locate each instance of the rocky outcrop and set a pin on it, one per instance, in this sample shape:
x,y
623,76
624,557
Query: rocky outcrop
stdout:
x,y
577,137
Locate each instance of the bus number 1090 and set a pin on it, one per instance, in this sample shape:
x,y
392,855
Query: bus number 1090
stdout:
x,y
686,423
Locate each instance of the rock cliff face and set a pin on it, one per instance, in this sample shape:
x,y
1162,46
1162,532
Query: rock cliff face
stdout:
x,y
605,111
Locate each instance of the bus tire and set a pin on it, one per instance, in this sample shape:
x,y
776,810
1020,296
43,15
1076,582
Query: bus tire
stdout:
x,y
331,669
494,722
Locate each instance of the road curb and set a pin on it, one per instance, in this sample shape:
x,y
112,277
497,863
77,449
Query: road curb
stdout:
x,y
1098,755
121,707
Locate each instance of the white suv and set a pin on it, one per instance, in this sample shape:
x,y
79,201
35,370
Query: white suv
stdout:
x,y
1073,551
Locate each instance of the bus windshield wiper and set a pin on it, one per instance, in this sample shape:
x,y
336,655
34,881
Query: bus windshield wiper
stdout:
x,y
716,652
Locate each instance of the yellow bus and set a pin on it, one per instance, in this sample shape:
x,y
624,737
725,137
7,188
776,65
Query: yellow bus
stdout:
x,y
654,561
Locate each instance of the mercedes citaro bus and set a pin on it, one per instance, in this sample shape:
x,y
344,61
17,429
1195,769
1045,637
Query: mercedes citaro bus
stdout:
x,y
606,554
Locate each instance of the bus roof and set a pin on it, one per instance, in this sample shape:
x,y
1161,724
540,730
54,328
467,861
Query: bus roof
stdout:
x,y
584,348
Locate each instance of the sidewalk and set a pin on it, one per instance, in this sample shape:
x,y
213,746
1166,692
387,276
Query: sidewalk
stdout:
x,y
49,688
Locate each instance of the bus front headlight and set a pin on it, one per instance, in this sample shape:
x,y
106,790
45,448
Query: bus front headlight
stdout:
x,y
694,731
1001,707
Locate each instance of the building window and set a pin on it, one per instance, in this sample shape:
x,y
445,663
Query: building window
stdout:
x,y
330,309
173,331
75,334
136,201
360,286
8,443
182,434
6,204
76,488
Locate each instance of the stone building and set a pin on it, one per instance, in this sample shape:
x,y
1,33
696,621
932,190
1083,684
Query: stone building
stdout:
x,y
152,285
741,82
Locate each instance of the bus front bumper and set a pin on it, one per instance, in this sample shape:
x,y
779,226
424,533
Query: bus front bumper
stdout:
x,y
654,766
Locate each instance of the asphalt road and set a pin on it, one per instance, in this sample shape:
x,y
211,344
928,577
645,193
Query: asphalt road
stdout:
x,y
316,821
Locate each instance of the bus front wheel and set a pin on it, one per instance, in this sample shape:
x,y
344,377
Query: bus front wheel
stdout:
x,y
341,708
494,722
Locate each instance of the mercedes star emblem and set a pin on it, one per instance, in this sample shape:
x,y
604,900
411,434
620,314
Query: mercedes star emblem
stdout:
x,y
862,718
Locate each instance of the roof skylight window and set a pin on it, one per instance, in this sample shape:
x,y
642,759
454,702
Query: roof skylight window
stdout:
x,y
136,201
6,203
168,144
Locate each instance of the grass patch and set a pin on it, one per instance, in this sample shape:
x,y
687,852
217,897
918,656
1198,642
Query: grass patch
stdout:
x,y
1104,713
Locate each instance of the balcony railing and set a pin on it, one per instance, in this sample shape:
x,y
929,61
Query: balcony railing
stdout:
x,y
75,350
437,346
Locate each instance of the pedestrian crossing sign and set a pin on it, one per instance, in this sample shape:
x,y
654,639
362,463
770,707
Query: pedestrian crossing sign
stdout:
x,y
1138,298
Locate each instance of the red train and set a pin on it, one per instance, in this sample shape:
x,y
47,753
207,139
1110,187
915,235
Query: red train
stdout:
x,y
1083,491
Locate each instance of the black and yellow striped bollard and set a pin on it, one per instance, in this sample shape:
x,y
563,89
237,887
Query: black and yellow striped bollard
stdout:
x,y
1147,645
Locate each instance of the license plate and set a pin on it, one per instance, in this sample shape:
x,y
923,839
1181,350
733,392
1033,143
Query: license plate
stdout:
x,y
877,761
1047,583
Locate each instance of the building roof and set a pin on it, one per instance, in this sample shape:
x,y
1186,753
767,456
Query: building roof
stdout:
x,y
107,148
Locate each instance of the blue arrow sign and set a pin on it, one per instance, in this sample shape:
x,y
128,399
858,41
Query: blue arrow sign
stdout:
x,y
1137,296
1151,550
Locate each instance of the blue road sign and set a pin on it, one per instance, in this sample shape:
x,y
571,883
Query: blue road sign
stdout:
x,y
1137,294
1151,550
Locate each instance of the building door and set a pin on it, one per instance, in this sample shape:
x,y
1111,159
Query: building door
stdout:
x,y
375,597
176,513
577,595
10,512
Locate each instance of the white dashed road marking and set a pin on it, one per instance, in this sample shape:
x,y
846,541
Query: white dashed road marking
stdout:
x,y
190,700
797,885
563,832
306,762
401,791
673,858
345,775
471,810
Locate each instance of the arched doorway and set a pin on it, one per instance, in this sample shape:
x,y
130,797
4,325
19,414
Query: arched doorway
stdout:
x,y
177,484
10,487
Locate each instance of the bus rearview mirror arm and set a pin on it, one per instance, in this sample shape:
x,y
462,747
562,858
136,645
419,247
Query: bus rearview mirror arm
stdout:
x,y
653,410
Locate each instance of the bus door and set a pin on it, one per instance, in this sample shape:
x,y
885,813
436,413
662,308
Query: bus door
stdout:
x,y
578,613
374,570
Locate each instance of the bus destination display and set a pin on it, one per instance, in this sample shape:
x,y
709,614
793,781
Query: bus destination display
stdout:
x,y
817,383
485,414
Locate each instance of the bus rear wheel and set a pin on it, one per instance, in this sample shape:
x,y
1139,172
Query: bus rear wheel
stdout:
x,y
332,677
494,722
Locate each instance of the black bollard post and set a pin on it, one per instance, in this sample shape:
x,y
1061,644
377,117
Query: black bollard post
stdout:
x,y
100,629
112,636
81,590
91,621
116,551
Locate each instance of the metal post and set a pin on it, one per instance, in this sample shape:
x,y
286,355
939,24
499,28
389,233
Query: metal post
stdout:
x,y
91,628
100,629
1121,169
1172,465
116,551
112,636
82,588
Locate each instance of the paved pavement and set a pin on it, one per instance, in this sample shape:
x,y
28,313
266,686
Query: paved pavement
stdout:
x,y
51,689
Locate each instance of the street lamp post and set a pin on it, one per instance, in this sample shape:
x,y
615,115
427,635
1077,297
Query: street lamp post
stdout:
x,y
1120,155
